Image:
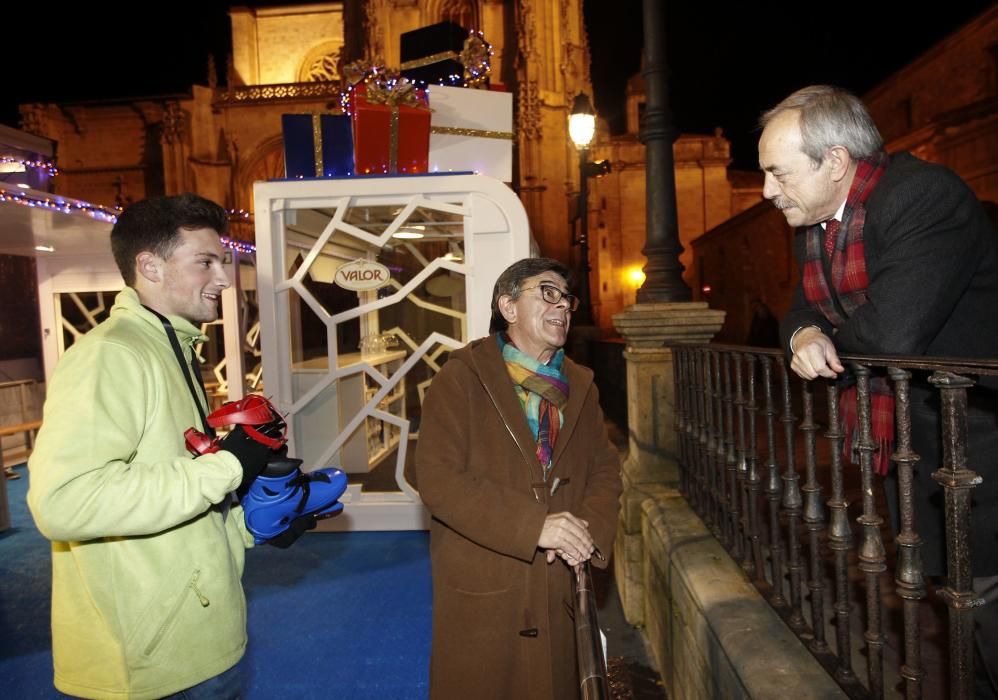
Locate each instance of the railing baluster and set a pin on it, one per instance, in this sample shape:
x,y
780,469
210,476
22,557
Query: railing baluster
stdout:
x,y
957,481
773,489
704,449
718,471
691,434
694,368
730,462
840,542
871,552
682,421
910,585
814,518
752,456
740,403
791,503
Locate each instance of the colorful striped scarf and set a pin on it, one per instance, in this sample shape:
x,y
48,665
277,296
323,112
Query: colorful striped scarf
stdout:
x,y
543,393
836,287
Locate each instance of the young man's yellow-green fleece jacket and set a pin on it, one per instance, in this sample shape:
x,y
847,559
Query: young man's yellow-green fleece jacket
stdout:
x,y
146,565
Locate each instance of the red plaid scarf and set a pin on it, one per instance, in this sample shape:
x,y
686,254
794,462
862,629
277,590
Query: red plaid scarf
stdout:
x,y
846,292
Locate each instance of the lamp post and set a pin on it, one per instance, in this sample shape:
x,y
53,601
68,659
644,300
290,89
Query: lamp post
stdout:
x,y
664,273
581,129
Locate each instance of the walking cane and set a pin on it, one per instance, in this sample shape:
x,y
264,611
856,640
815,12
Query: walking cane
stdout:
x,y
588,642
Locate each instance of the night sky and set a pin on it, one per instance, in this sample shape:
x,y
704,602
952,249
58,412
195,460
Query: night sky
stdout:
x,y
728,62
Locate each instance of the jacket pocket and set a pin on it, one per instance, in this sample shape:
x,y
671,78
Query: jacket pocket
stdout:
x,y
162,623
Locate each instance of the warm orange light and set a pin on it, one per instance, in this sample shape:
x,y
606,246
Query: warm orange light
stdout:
x,y
635,276
706,289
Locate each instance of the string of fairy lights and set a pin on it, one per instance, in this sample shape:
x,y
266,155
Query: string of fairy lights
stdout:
x,y
46,166
110,215
94,211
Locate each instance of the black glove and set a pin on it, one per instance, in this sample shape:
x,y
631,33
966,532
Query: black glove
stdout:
x,y
252,455
291,535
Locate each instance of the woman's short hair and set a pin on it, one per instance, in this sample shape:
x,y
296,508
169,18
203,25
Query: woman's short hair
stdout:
x,y
513,276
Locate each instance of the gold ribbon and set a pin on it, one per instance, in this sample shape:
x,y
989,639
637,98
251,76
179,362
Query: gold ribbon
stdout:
x,y
480,133
317,144
393,141
474,57
428,60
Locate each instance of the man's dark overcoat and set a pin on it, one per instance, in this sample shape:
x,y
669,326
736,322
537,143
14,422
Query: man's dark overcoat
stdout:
x,y
502,616
932,260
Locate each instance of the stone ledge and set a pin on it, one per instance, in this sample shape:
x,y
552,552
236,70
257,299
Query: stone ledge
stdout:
x,y
713,633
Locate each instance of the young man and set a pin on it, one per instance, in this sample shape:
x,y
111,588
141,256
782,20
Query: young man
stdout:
x,y
147,543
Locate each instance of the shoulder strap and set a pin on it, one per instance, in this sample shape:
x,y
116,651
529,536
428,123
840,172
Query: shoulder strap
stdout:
x,y
171,333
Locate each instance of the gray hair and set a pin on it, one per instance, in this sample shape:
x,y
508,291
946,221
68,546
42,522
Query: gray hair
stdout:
x,y
513,276
830,116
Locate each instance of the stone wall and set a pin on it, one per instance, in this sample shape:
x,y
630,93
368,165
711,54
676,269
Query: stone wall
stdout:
x,y
711,633
958,71
943,107
274,45
705,197
746,262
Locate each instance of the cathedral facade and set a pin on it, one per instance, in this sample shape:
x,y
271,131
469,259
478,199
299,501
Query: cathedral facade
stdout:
x,y
222,136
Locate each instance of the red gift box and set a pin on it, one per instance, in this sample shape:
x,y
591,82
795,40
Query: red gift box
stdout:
x,y
391,129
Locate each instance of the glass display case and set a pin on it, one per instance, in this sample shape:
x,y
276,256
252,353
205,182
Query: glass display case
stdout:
x,y
364,286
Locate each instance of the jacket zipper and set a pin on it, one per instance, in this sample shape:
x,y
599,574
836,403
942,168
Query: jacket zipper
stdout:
x,y
202,598
192,584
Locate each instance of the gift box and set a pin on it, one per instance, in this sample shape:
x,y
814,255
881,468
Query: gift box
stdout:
x,y
471,130
317,145
391,128
431,55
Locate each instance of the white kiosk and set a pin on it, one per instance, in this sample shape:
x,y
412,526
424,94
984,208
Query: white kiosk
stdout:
x,y
363,284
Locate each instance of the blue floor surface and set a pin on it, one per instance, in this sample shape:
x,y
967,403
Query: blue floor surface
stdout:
x,y
338,615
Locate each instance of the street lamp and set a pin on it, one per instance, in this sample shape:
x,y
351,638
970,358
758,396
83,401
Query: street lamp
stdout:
x,y
581,129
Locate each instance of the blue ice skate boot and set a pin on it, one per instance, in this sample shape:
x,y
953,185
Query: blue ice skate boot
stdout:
x,y
283,492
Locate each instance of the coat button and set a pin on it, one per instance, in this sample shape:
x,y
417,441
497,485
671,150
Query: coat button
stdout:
x,y
529,632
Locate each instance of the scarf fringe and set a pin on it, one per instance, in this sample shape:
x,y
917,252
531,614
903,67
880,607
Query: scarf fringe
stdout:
x,y
881,426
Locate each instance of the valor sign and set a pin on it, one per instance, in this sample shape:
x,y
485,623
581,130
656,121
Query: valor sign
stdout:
x,y
361,275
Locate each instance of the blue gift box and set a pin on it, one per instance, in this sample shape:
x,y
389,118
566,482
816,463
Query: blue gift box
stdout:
x,y
317,145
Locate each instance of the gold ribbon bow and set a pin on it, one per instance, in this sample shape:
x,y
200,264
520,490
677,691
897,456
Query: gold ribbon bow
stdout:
x,y
388,89
475,58
357,72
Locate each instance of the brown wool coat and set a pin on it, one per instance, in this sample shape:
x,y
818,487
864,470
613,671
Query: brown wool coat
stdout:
x,y
502,616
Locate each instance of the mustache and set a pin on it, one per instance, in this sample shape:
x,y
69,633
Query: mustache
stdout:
x,y
783,203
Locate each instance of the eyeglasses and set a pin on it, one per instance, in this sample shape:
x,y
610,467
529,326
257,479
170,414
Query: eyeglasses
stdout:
x,y
553,295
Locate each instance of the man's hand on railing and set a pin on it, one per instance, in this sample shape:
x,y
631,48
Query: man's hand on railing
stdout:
x,y
814,355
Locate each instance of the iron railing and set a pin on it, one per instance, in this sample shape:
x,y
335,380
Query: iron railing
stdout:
x,y
730,403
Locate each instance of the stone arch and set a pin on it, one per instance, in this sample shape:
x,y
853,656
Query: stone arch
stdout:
x,y
266,162
321,63
466,13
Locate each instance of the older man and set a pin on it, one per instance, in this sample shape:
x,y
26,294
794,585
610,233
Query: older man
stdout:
x,y
897,257
514,464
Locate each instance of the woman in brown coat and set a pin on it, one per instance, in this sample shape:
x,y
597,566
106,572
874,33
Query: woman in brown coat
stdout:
x,y
514,464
